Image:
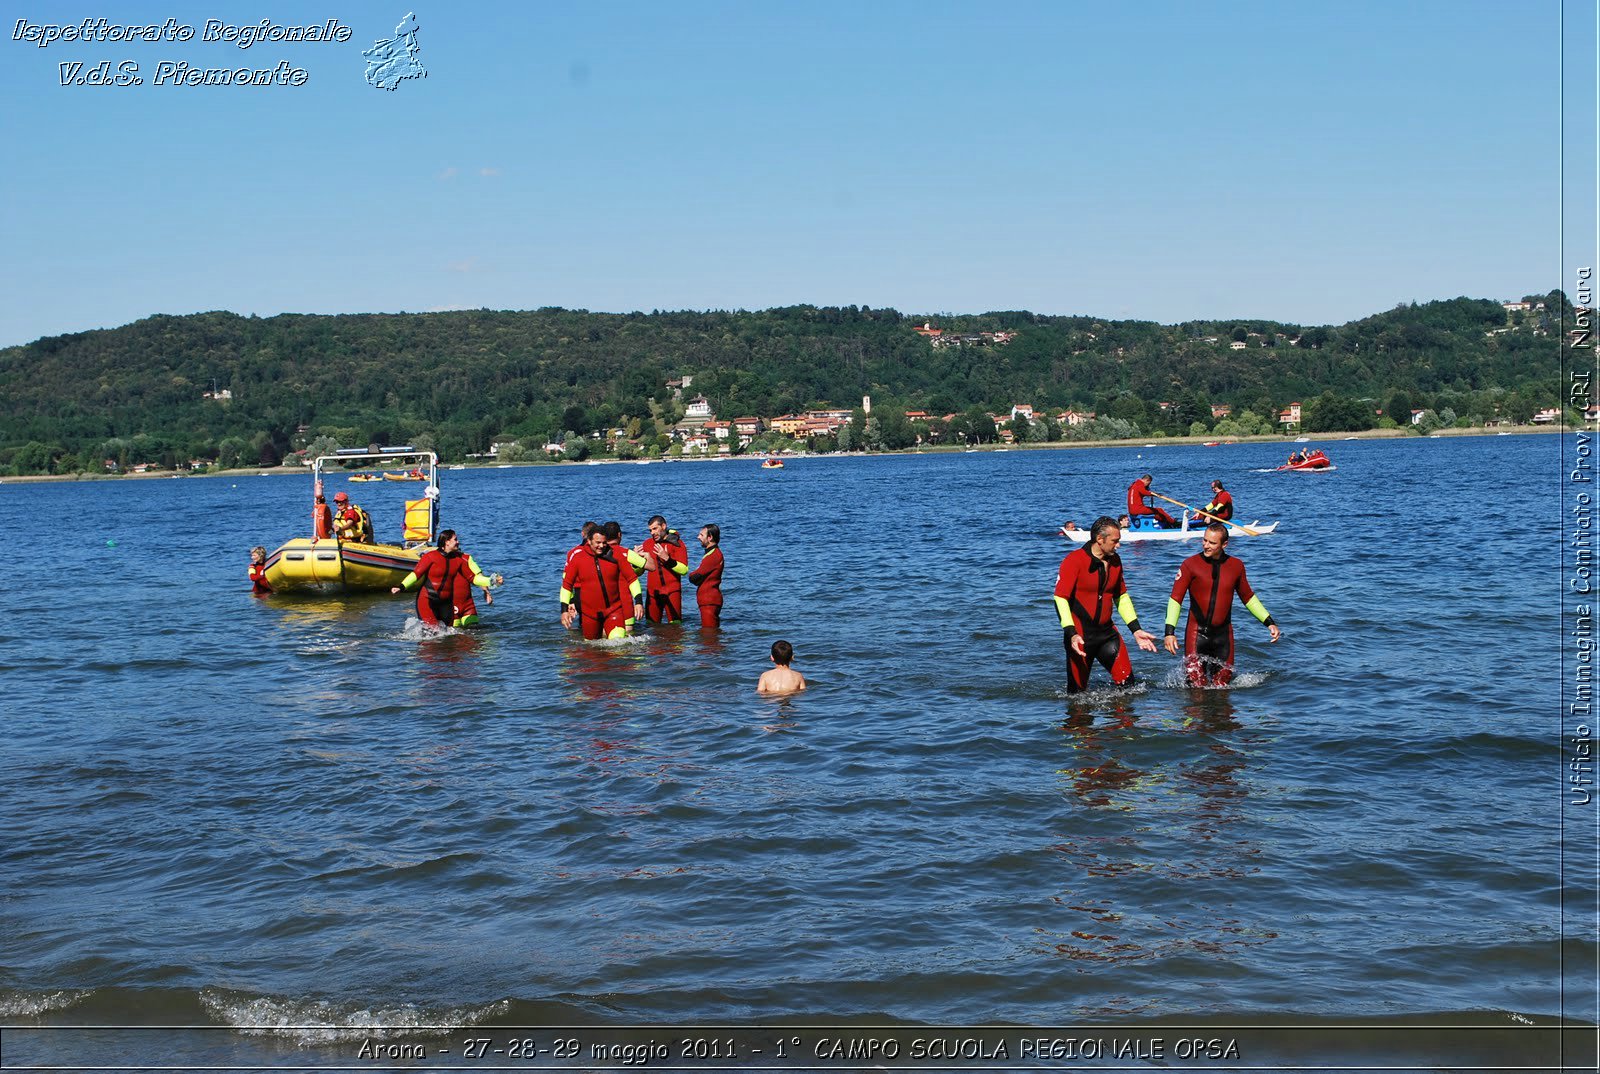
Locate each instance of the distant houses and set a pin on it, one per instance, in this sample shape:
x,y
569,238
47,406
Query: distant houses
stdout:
x,y
940,338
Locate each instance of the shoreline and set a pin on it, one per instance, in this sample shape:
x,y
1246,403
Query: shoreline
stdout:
x,y
945,449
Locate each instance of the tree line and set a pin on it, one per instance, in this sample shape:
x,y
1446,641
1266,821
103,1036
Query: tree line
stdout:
x,y
148,392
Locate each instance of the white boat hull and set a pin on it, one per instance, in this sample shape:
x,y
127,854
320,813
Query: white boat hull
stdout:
x,y
1181,534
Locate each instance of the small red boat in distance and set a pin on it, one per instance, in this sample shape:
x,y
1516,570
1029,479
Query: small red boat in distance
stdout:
x,y
1308,460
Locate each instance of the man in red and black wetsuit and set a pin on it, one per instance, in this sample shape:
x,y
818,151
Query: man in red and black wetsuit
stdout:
x,y
665,561
436,572
1138,492
1088,585
708,578
594,590
1221,506
1211,579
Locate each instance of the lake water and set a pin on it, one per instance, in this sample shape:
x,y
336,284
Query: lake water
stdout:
x,y
286,819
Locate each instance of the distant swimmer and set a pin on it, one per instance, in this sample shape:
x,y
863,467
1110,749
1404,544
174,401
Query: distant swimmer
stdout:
x,y
665,561
1221,505
436,573
258,571
708,577
1067,527
1088,585
1138,495
594,590
782,679
1211,579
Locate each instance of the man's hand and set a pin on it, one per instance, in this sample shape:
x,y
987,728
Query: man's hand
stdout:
x,y
1276,633
1171,644
1146,640
567,616
1077,644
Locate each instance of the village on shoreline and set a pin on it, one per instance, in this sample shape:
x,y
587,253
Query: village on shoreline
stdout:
x,y
1157,441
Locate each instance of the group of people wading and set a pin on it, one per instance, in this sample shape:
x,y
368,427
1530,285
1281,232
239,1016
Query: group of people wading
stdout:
x,y
1089,585
608,587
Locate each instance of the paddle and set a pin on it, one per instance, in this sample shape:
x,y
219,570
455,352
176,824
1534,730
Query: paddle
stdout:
x,y
1204,514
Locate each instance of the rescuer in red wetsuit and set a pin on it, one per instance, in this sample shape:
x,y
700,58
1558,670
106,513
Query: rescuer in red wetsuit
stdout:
x,y
1137,493
1088,585
436,571
665,561
630,573
1221,505
258,571
466,610
707,577
1211,579
583,540
594,588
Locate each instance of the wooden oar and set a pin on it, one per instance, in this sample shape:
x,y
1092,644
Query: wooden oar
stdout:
x,y
1205,514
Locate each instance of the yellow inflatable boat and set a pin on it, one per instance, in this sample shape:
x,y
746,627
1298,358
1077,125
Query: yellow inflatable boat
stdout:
x,y
326,564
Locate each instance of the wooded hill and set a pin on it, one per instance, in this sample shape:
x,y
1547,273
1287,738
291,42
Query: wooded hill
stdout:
x,y
462,379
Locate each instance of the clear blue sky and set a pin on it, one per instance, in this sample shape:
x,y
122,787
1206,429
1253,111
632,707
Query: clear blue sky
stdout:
x,y
1165,161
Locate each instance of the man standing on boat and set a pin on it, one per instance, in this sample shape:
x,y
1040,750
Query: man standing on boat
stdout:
x,y
1211,579
1088,585
1138,494
321,516
1221,506
665,561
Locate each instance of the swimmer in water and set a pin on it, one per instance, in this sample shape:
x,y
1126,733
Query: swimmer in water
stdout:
x,y
782,679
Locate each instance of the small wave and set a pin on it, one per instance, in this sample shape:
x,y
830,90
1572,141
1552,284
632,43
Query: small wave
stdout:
x,y
33,1004
307,1021
416,630
1175,679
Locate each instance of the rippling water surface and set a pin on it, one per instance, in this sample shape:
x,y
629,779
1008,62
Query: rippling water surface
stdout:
x,y
221,810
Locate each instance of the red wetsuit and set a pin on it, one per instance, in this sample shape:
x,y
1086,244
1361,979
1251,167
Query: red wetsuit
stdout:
x,y
466,609
708,593
1208,636
600,585
1137,492
258,579
1221,506
1087,589
436,572
664,595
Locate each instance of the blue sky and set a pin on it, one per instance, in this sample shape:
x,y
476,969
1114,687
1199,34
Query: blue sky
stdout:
x,y
1164,161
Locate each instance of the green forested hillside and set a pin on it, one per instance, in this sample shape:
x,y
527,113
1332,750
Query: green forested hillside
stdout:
x,y
460,379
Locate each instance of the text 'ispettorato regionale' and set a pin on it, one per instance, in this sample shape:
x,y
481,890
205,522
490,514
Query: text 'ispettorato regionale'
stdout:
x,y
178,72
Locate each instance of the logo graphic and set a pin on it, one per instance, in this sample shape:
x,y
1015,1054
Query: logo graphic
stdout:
x,y
391,62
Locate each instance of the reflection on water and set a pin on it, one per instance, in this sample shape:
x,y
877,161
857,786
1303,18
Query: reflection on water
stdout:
x,y
1173,791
